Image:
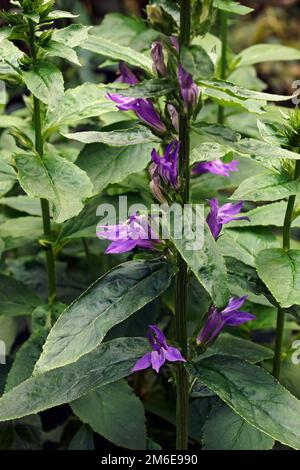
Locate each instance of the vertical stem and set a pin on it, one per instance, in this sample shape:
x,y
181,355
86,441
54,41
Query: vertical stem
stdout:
x,y
39,147
286,246
182,385
223,21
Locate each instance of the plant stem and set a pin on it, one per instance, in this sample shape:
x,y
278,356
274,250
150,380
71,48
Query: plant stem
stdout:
x,y
286,246
182,381
39,147
223,21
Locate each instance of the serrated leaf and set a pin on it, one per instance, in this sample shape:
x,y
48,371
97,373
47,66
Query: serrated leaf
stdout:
x,y
268,186
107,48
134,136
56,49
45,82
197,62
208,151
109,165
109,301
152,88
54,178
77,104
280,271
229,345
106,411
253,394
232,7
246,243
226,430
71,36
16,299
109,362
264,53
205,260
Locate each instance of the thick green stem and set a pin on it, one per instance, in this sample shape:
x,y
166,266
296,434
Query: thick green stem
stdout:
x,y
182,381
223,21
286,246
39,146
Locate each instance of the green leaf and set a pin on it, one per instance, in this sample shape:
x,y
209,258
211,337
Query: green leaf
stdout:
x,y
16,298
228,94
20,231
107,363
54,178
71,36
83,439
261,151
197,62
229,345
246,243
107,48
232,7
267,186
78,104
280,271
134,136
244,276
270,214
109,165
60,14
253,394
23,204
25,434
10,55
124,30
29,352
264,53
45,82
226,430
106,411
152,88
109,301
56,49
205,262
208,151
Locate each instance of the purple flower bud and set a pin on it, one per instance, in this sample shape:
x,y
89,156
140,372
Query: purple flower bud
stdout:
x,y
157,55
216,167
174,116
135,232
188,89
143,108
218,319
219,216
161,352
174,43
126,75
164,169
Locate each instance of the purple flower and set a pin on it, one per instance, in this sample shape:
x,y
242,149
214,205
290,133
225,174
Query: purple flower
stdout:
x,y
219,216
164,169
135,232
217,167
218,319
161,352
157,55
188,89
143,108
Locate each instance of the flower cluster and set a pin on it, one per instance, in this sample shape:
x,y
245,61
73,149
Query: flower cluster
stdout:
x,y
164,174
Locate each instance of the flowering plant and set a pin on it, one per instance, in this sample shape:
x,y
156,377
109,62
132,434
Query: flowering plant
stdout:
x,y
176,126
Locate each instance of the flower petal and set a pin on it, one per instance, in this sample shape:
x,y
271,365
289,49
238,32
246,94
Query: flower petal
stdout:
x,y
157,359
143,363
173,354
